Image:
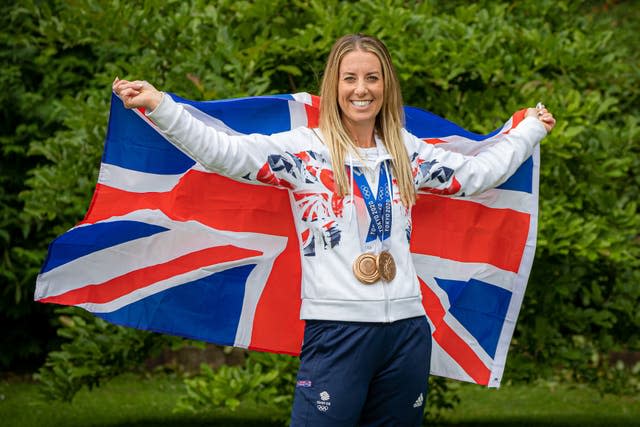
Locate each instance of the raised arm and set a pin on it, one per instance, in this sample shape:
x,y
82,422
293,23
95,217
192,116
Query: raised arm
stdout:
x,y
267,159
440,171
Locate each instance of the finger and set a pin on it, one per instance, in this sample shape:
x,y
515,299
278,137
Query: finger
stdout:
x,y
138,86
135,83
123,84
531,112
129,93
119,86
120,82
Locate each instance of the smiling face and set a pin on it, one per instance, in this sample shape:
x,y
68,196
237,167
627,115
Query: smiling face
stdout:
x,y
360,89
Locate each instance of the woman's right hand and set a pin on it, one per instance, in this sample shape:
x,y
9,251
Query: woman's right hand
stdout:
x,y
137,94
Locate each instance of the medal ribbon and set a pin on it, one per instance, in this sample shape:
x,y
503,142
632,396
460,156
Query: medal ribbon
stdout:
x,y
379,208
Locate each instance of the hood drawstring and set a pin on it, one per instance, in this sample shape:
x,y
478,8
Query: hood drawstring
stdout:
x,y
389,183
351,199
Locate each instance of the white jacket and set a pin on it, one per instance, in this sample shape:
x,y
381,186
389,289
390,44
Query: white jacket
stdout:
x,y
330,227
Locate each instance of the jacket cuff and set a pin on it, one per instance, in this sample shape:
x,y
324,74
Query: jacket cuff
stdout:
x,y
164,113
536,127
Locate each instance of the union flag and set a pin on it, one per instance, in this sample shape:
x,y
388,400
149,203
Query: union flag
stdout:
x,y
169,247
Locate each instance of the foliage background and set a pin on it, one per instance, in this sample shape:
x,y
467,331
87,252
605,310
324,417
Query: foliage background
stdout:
x,y
471,62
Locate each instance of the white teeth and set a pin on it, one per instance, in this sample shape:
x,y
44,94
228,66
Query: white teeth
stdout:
x,y
361,103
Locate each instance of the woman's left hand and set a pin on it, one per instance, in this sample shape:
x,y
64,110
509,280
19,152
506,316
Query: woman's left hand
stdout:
x,y
542,114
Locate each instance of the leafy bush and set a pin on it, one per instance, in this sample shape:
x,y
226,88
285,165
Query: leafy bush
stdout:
x,y
94,351
264,379
269,380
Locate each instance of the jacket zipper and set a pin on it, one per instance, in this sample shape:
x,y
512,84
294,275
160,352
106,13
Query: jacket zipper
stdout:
x,y
386,302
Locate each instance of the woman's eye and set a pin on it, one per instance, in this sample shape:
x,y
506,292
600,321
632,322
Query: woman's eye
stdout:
x,y
372,78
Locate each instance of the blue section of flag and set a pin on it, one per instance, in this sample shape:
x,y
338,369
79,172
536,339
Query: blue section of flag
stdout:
x,y
423,122
522,179
192,308
263,114
82,241
132,144
480,307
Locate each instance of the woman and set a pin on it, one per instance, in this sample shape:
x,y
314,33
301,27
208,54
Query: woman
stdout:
x,y
367,344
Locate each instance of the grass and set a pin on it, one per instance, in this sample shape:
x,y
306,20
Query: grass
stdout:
x,y
130,400
542,405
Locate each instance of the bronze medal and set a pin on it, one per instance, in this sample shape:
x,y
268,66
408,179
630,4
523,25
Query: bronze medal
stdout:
x,y
386,266
365,268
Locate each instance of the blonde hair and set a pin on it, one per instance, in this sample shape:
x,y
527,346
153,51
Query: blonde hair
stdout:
x,y
389,121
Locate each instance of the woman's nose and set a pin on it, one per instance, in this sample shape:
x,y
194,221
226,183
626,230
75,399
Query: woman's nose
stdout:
x,y
360,88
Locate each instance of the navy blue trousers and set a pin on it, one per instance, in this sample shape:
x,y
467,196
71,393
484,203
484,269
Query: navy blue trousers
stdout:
x,y
363,374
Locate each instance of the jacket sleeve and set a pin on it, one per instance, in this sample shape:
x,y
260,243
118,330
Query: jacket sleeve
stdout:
x,y
440,171
248,158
